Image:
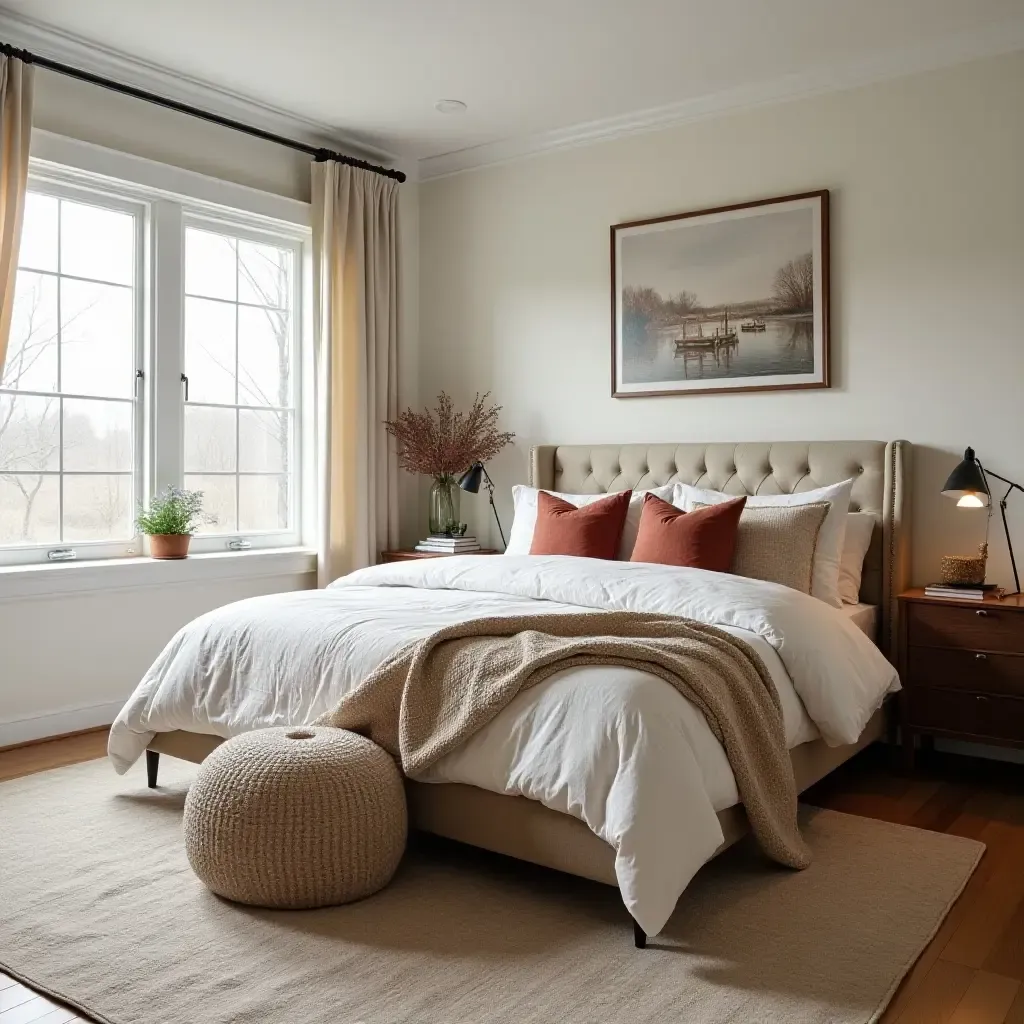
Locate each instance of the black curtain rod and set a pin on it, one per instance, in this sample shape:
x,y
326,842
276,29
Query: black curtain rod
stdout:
x,y
318,154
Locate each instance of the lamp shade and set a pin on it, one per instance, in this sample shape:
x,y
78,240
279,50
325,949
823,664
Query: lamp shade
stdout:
x,y
967,480
470,480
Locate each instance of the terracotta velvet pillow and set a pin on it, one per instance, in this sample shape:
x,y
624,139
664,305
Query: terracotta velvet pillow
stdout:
x,y
703,539
592,531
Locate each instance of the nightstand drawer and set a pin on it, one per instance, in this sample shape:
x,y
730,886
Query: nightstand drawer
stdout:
x,y
979,629
966,714
966,670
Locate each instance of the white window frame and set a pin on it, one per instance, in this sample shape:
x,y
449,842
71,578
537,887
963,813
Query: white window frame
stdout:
x,y
166,199
240,228
27,554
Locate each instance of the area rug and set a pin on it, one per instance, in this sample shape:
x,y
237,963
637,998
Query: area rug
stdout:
x,y
99,908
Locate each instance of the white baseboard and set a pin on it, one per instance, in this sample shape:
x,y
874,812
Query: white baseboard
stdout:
x,y
57,723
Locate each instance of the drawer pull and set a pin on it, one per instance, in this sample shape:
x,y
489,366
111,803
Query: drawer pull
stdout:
x,y
981,657
982,612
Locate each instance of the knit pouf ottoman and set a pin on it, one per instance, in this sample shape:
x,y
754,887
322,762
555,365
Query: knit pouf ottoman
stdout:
x,y
296,818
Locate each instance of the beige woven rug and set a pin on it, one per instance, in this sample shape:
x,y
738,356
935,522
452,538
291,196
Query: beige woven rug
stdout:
x,y
98,906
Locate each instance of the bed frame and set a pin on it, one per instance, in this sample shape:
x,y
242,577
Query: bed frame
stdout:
x,y
528,830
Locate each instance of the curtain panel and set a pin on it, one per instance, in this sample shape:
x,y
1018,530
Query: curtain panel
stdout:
x,y
355,297
16,80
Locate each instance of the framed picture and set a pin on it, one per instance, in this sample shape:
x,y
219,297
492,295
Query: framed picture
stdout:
x,y
730,299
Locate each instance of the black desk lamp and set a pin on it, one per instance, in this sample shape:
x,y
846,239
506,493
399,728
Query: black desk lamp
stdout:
x,y
470,481
968,483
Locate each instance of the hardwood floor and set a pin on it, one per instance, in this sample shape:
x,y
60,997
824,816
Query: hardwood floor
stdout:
x,y
972,971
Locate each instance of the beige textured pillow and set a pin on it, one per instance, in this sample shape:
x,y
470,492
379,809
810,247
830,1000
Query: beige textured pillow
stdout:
x,y
776,543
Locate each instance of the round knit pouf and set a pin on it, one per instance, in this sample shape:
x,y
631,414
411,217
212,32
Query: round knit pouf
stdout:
x,y
296,817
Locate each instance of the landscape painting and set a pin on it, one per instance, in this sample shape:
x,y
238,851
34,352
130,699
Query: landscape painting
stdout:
x,y
730,299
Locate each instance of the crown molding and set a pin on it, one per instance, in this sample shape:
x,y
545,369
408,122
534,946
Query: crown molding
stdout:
x,y
67,48
1007,37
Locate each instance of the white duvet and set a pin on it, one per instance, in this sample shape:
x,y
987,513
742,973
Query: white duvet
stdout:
x,y
618,748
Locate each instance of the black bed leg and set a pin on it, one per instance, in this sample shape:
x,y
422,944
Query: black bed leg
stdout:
x,y
152,767
639,936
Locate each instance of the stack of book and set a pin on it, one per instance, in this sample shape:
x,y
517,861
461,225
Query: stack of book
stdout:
x,y
966,593
443,545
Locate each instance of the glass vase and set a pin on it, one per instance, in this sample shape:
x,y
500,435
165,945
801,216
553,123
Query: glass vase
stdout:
x,y
444,504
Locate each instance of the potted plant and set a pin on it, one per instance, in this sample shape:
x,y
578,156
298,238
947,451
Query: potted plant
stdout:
x,y
443,443
171,519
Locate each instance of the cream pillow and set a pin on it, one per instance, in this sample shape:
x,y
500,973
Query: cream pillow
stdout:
x,y
777,543
829,549
860,527
524,518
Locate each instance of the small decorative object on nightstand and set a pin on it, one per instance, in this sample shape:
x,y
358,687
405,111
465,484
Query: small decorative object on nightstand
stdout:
x,y
961,663
441,443
408,554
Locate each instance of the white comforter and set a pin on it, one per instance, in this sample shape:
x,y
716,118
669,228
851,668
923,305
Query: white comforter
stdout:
x,y
617,748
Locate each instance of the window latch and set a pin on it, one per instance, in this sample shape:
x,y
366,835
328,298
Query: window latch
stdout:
x,y
239,544
62,555
139,377
184,380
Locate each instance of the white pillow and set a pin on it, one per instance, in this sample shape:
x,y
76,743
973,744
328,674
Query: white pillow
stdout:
x,y
829,549
524,518
860,526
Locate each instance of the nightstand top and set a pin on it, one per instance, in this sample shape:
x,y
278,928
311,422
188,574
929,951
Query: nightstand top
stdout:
x,y
407,554
917,594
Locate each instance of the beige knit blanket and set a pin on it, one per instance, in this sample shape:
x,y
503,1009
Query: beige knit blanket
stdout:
x,y
435,693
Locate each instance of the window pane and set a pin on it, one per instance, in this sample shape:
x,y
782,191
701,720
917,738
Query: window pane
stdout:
x,y
96,243
218,500
97,436
97,339
210,265
32,351
29,509
209,439
29,433
264,357
98,507
39,233
264,272
263,441
263,503
210,351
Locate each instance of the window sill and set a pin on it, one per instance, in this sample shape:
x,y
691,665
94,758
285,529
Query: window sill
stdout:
x,y
21,581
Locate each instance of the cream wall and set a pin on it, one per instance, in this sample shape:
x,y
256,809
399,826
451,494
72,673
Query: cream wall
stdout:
x,y
69,660
927,183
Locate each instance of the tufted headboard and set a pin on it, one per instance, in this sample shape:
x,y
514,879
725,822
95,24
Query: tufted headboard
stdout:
x,y
880,471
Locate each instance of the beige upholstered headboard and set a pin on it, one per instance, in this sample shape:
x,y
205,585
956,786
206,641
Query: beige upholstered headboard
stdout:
x,y
881,485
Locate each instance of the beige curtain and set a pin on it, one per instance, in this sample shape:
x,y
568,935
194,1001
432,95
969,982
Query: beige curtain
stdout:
x,y
15,131
355,275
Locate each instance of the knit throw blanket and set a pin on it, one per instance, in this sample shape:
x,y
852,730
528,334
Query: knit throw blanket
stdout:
x,y
435,693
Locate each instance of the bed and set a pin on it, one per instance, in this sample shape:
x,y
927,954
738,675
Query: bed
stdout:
x,y
528,829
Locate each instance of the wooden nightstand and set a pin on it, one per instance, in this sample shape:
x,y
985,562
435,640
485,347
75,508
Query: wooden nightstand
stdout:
x,y
962,668
407,554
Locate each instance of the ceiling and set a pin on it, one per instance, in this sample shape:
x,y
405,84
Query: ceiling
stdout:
x,y
372,70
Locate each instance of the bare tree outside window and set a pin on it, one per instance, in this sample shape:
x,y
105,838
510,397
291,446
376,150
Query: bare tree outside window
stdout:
x,y
66,403
239,354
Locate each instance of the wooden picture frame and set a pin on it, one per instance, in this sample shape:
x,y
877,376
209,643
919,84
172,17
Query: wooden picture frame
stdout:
x,y
762,323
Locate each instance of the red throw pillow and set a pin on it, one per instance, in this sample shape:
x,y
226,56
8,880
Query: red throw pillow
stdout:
x,y
702,539
592,531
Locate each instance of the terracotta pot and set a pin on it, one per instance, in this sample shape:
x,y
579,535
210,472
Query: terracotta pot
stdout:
x,y
169,545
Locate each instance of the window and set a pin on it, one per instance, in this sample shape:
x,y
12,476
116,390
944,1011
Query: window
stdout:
x,y
155,341
69,423
240,370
